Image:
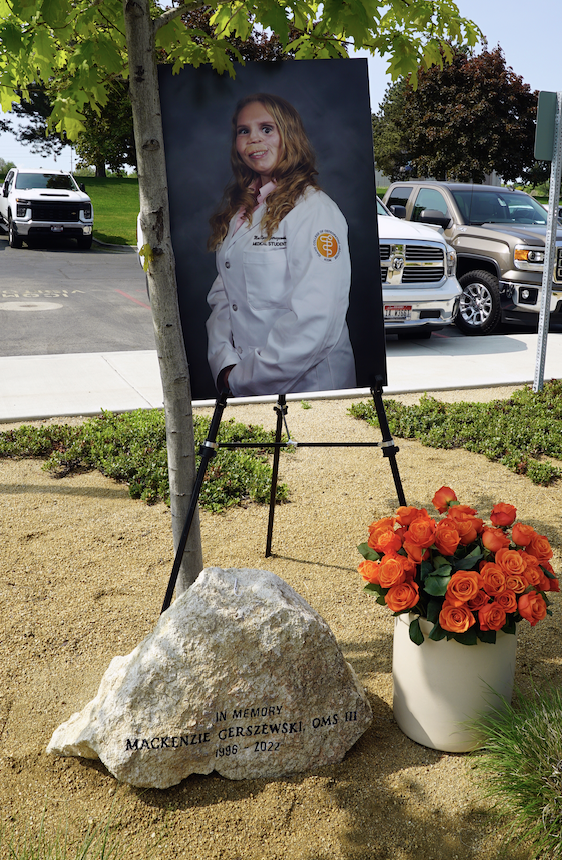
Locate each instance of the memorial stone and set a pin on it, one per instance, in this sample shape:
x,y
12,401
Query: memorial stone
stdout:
x,y
240,676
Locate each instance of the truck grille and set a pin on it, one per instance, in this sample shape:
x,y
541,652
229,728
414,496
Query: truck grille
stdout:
x,y
55,212
412,264
558,266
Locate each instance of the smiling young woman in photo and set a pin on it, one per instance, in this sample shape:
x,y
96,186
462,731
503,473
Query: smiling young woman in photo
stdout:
x,y
281,296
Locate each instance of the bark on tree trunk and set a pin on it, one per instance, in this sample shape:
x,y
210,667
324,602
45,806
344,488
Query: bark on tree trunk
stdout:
x,y
155,223
100,170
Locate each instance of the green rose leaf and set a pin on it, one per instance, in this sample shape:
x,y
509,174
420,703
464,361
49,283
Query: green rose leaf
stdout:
x,y
487,636
436,585
437,633
426,569
470,561
416,634
509,626
433,610
374,587
470,637
368,552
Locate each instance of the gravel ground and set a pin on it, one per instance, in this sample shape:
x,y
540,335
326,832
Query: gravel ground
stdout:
x,y
83,577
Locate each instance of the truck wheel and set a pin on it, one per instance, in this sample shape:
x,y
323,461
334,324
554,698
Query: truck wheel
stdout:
x,y
85,243
479,308
13,239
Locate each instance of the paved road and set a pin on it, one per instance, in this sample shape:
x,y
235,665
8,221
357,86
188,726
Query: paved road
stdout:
x,y
59,300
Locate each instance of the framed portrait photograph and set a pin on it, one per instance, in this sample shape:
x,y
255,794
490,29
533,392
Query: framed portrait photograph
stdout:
x,y
272,194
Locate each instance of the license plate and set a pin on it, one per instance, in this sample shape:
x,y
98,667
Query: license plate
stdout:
x,y
57,228
397,312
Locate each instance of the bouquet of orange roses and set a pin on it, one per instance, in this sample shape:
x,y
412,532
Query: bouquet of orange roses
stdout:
x,y
468,579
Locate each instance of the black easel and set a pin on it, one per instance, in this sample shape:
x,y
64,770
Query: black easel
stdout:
x,y
209,449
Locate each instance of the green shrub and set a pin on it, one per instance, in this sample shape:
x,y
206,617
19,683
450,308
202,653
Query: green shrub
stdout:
x,y
518,433
522,766
131,447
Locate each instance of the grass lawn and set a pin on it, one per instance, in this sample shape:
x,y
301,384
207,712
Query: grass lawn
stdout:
x,y
116,206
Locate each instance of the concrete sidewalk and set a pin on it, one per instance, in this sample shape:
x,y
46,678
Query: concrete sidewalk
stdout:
x,y
46,386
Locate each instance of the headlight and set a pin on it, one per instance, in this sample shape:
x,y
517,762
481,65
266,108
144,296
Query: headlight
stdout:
x,y
528,255
88,212
451,262
21,207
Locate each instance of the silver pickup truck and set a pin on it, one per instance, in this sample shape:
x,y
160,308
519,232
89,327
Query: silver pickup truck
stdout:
x,y
499,236
44,204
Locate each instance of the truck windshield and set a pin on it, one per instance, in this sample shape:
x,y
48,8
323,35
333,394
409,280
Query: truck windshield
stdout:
x,y
58,181
498,207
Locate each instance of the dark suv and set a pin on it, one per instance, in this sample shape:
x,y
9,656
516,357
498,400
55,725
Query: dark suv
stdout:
x,y
499,236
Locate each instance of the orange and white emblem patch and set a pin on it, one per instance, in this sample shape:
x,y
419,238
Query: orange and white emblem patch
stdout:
x,y
327,245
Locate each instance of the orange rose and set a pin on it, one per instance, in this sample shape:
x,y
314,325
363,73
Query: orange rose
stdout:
x,y
378,527
415,552
532,607
540,548
553,584
502,514
494,539
522,534
511,561
369,570
409,567
533,574
492,616
463,509
422,531
468,526
479,600
507,600
442,498
386,541
493,578
391,571
463,586
405,514
447,538
402,596
456,619
381,525
516,582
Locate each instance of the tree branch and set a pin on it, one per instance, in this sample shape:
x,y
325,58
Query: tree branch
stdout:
x,y
168,16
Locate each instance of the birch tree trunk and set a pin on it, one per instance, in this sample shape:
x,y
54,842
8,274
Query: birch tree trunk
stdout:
x,y
155,222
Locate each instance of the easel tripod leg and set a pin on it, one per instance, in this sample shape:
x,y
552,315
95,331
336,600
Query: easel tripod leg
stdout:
x,y
207,450
281,410
389,449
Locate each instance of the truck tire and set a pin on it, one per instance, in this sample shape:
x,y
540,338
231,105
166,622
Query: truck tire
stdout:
x,y
479,307
14,240
85,243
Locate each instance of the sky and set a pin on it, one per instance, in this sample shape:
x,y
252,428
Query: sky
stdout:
x,y
528,35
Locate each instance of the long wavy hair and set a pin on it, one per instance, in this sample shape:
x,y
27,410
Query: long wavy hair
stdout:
x,y
294,173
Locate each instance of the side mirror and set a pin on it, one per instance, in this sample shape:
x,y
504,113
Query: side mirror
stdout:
x,y
5,191
434,216
82,187
398,211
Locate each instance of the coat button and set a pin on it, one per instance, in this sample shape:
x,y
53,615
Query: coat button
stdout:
x,y
239,349
234,307
227,264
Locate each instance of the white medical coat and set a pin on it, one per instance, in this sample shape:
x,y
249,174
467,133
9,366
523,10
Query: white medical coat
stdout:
x,y
279,305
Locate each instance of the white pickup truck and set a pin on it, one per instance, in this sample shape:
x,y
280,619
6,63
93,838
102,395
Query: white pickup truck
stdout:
x,y
420,290
43,204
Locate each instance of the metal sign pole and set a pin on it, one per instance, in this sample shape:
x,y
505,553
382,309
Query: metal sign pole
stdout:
x,y
550,247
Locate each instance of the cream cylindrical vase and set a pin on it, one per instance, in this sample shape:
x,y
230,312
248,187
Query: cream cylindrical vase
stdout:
x,y
440,686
